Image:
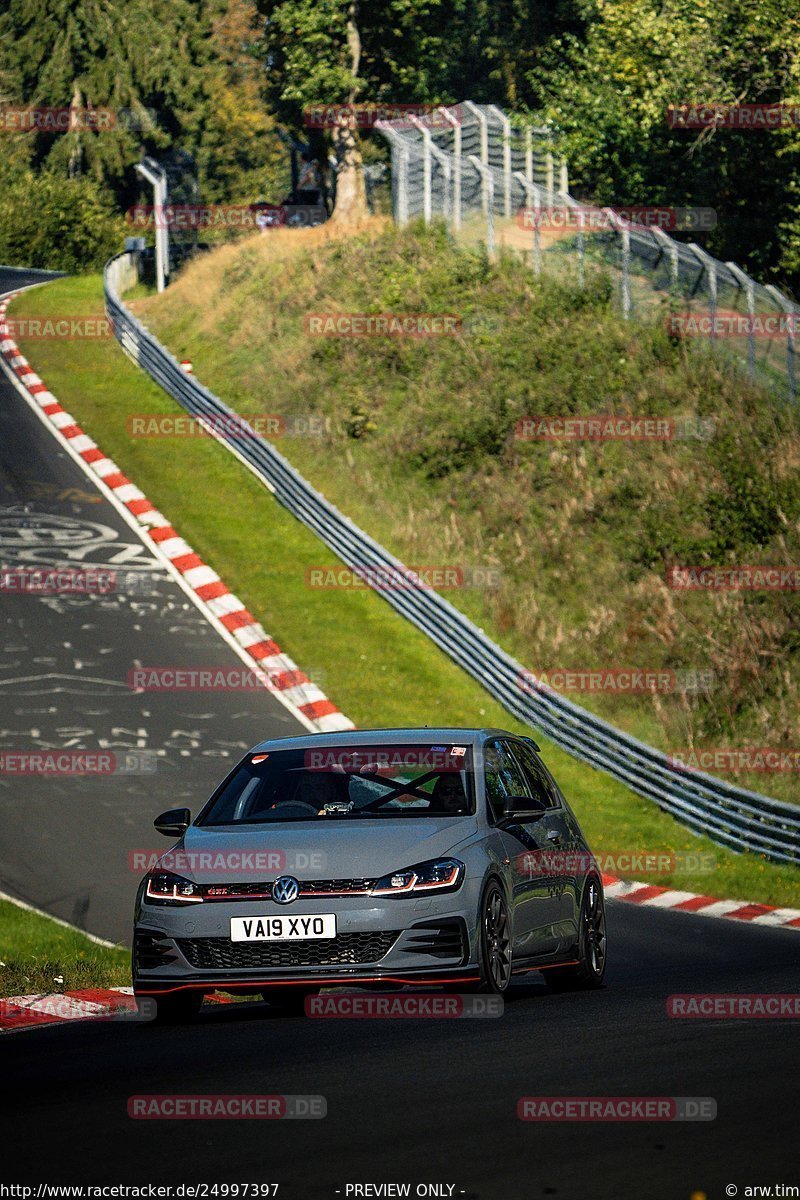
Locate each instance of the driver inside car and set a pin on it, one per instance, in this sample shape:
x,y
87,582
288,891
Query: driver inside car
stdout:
x,y
448,795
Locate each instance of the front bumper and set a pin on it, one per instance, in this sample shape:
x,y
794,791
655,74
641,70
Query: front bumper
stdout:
x,y
397,942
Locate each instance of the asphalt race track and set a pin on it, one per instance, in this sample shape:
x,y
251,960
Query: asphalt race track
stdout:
x,y
64,661
434,1101
423,1102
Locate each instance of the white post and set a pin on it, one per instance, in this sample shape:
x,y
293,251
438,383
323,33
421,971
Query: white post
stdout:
x,y
506,124
426,166
564,178
529,153
154,175
710,266
484,135
532,190
624,230
744,280
792,325
456,195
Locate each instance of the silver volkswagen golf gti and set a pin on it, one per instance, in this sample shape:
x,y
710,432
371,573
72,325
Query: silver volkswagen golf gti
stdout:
x,y
444,857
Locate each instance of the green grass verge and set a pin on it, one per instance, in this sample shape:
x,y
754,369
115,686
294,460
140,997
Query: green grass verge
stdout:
x,y
378,668
37,955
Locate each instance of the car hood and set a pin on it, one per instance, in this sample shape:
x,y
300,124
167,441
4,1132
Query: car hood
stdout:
x,y
335,849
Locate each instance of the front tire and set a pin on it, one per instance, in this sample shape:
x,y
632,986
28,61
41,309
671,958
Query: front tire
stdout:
x,y
494,942
590,969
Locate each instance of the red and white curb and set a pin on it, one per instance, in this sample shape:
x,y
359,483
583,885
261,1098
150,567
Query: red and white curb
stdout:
x,y
294,688
650,896
88,1004
26,1012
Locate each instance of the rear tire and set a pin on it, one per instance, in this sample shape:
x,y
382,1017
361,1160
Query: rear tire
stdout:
x,y
177,1008
590,969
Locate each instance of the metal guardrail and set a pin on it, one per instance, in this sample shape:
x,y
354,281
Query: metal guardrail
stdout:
x,y
733,816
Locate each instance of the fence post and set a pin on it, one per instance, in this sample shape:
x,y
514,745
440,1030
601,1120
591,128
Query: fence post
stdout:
x,y
709,265
480,117
750,293
791,329
426,166
532,189
403,188
506,124
623,229
579,242
529,153
564,178
456,171
549,169
488,180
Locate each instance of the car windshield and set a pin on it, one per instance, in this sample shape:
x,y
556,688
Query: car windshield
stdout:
x,y
345,783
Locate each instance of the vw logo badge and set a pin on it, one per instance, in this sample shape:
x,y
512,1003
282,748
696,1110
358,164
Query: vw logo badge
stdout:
x,y
285,890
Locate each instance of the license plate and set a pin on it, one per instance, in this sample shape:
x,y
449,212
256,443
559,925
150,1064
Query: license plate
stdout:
x,y
283,929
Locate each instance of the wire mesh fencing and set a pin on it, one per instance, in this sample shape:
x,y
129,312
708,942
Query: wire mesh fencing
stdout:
x,y
495,182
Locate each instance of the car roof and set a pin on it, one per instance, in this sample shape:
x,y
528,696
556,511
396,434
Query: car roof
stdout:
x,y
383,737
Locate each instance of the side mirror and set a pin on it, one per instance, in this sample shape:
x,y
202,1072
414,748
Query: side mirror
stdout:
x,y
523,806
173,822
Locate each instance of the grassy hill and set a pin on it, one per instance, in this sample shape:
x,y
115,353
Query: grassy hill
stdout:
x,y
419,445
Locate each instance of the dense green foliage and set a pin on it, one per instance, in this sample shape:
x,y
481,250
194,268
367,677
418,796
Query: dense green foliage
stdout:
x,y
215,78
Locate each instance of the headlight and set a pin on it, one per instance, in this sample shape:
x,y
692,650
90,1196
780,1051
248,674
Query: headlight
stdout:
x,y
437,875
165,888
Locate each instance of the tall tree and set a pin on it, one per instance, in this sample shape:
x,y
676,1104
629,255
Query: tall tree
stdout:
x,y
345,53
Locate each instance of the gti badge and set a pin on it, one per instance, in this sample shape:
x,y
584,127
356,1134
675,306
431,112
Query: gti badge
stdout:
x,y
285,890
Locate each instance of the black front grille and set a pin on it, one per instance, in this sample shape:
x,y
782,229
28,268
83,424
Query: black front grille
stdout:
x,y
221,954
321,887
308,887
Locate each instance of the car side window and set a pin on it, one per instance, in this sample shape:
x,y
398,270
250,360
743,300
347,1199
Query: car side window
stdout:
x,y
502,777
539,781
